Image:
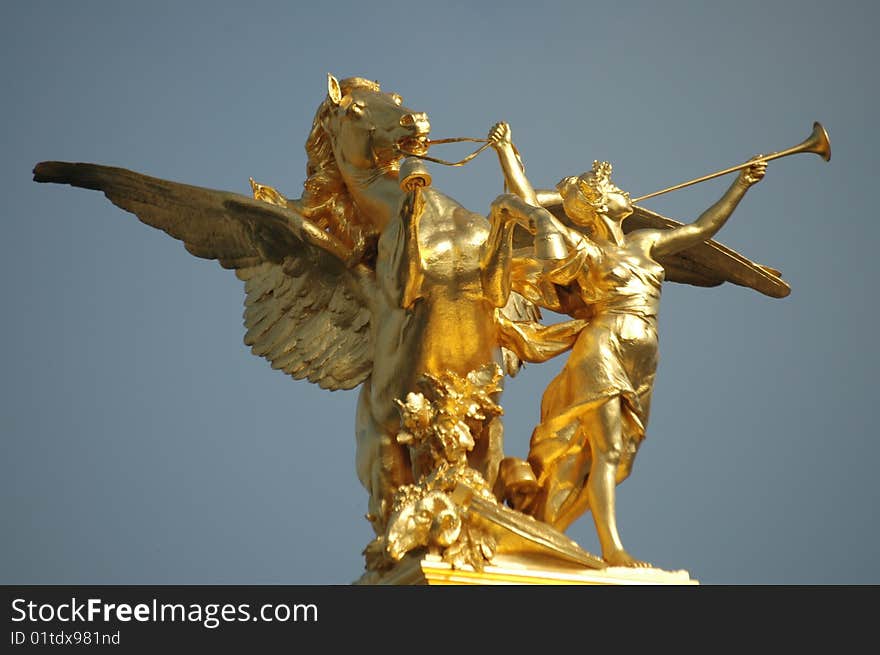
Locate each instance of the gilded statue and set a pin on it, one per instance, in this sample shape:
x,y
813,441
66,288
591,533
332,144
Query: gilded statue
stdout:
x,y
373,278
595,412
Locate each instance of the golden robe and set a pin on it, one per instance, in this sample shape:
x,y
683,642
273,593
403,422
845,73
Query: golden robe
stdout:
x,y
614,356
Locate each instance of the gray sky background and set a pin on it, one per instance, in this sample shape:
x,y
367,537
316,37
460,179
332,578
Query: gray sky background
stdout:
x,y
141,442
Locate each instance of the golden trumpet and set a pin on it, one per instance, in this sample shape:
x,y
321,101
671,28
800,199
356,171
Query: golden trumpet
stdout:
x,y
817,143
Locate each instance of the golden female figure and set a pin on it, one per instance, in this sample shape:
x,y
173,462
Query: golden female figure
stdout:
x,y
594,413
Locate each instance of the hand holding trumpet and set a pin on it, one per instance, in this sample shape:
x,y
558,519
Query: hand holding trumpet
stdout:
x,y
754,173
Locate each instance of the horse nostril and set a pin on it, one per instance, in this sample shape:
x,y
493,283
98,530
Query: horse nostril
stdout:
x,y
407,120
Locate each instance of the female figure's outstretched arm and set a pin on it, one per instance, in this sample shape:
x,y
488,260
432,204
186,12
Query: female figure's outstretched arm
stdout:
x,y
668,242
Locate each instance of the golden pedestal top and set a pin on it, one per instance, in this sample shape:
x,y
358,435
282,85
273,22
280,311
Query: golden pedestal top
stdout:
x,y
507,570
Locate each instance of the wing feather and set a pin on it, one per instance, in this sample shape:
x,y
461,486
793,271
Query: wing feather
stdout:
x,y
231,228
307,326
305,311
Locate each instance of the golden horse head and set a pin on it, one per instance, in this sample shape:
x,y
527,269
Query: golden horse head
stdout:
x,y
368,128
357,139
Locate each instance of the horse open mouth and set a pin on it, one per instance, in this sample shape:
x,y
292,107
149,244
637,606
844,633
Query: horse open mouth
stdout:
x,y
413,145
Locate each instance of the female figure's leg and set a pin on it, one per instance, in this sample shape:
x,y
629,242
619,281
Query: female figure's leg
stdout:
x,y
606,438
602,429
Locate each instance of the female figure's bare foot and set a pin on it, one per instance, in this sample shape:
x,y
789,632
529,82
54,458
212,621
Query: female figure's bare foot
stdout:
x,y
623,558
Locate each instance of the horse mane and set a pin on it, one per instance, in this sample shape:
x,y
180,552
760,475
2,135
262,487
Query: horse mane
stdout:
x,y
326,200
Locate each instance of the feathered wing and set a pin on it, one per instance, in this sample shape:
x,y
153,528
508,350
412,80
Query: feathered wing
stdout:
x,y
307,323
305,311
707,264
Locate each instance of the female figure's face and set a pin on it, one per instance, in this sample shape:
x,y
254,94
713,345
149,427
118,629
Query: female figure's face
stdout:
x,y
618,205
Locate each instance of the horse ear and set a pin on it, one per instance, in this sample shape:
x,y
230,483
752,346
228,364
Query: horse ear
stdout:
x,y
333,89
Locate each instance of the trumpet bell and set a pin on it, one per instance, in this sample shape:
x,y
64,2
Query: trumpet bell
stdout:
x,y
818,142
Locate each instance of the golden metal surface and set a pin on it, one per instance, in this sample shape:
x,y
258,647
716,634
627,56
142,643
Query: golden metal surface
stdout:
x,y
375,279
432,570
594,413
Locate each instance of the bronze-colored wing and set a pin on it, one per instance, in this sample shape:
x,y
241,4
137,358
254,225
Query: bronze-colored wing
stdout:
x,y
305,311
707,264
307,323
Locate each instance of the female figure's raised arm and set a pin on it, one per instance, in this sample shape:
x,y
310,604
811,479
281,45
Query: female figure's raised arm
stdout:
x,y
669,242
514,175
552,239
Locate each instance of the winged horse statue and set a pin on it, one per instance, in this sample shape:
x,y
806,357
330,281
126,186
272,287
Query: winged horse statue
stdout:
x,y
341,288
372,277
